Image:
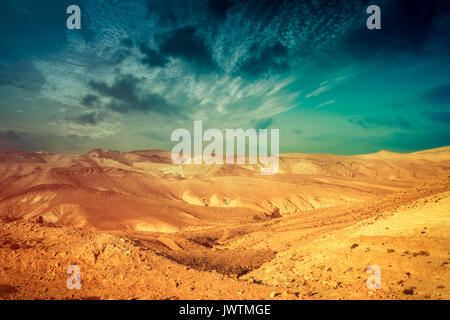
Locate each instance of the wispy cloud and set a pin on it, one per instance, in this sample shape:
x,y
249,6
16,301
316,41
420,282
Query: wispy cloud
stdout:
x,y
372,122
325,103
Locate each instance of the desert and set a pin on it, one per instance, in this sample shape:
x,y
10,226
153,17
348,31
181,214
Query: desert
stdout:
x,y
140,227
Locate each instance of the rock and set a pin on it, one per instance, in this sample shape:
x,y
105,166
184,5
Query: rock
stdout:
x,y
295,293
274,294
409,291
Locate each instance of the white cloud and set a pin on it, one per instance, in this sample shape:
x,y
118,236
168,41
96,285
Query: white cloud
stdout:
x,y
325,103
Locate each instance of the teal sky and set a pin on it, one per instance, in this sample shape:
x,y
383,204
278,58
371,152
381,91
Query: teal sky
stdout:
x,y
137,70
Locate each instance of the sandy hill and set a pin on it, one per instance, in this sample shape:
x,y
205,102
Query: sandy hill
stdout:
x,y
142,190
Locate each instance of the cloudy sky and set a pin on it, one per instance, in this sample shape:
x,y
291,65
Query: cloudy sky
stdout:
x,y
139,69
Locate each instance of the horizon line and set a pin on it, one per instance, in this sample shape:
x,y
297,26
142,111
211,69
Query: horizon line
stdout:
x,y
168,151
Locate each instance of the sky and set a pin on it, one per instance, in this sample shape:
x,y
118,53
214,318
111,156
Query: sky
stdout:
x,y
139,69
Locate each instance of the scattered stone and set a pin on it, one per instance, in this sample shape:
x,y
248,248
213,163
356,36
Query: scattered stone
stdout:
x,y
409,291
295,293
421,253
354,246
274,294
390,250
